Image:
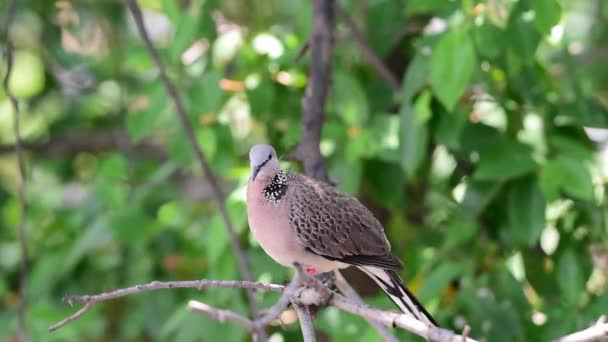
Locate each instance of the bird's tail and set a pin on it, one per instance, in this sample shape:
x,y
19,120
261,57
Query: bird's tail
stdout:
x,y
396,290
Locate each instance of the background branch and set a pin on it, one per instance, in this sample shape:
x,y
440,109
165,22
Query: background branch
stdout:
x,y
93,142
22,307
200,156
313,103
369,54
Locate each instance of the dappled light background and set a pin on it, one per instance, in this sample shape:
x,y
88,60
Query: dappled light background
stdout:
x,y
488,167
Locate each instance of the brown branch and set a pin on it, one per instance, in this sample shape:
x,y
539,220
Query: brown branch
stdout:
x,y
303,290
398,320
594,333
93,142
350,293
275,311
313,103
306,325
367,51
10,14
199,154
91,300
220,315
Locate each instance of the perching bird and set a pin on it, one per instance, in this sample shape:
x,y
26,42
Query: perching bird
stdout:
x,y
298,219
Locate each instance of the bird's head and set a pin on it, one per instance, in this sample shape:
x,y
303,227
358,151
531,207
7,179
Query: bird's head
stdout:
x,y
263,160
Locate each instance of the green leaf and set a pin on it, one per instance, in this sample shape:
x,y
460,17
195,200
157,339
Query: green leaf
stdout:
x,y
505,161
452,65
180,150
128,223
348,98
526,211
206,95
489,39
113,168
261,99
522,37
424,6
479,194
570,276
449,129
386,190
546,14
185,34
567,174
216,239
141,123
414,132
462,228
439,279
415,78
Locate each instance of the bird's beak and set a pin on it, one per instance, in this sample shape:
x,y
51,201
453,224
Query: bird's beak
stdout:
x,y
256,170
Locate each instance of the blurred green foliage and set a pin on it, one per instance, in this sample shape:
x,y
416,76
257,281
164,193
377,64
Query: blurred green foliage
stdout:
x,y
490,185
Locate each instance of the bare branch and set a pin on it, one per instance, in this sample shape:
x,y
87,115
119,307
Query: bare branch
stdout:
x,y
276,310
369,54
220,315
93,142
400,320
87,306
351,294
313,104
10,14
200,156
303,291
594,333
308,330
90,300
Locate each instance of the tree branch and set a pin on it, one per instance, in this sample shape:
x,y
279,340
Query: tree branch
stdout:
x,y
91,300
220,315
275,311
313,103
93,142
594,333
10,14
199,154
351,294
367,51
308,330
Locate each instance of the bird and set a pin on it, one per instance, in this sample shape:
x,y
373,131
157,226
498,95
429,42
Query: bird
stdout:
x,y
299,220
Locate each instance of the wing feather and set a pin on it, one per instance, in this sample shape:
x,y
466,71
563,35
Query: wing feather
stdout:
x,y
337,226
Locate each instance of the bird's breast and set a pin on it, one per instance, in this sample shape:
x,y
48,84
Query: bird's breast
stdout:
x,y
269,223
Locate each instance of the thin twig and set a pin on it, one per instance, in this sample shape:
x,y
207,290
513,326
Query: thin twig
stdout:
x,y
10,13
351,294
367,51
320,46
200,156
90,300
275,311
594,333
220,314
308,330
94,142
399,320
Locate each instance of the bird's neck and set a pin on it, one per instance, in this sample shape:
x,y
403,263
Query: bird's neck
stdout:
x,y
276,187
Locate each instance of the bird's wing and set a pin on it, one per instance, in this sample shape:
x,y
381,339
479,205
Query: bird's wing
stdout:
x,y
337,226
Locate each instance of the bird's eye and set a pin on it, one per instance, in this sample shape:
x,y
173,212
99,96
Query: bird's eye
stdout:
x,y
270,156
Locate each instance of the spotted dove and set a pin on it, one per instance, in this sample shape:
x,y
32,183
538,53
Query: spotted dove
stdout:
x,y
298,219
